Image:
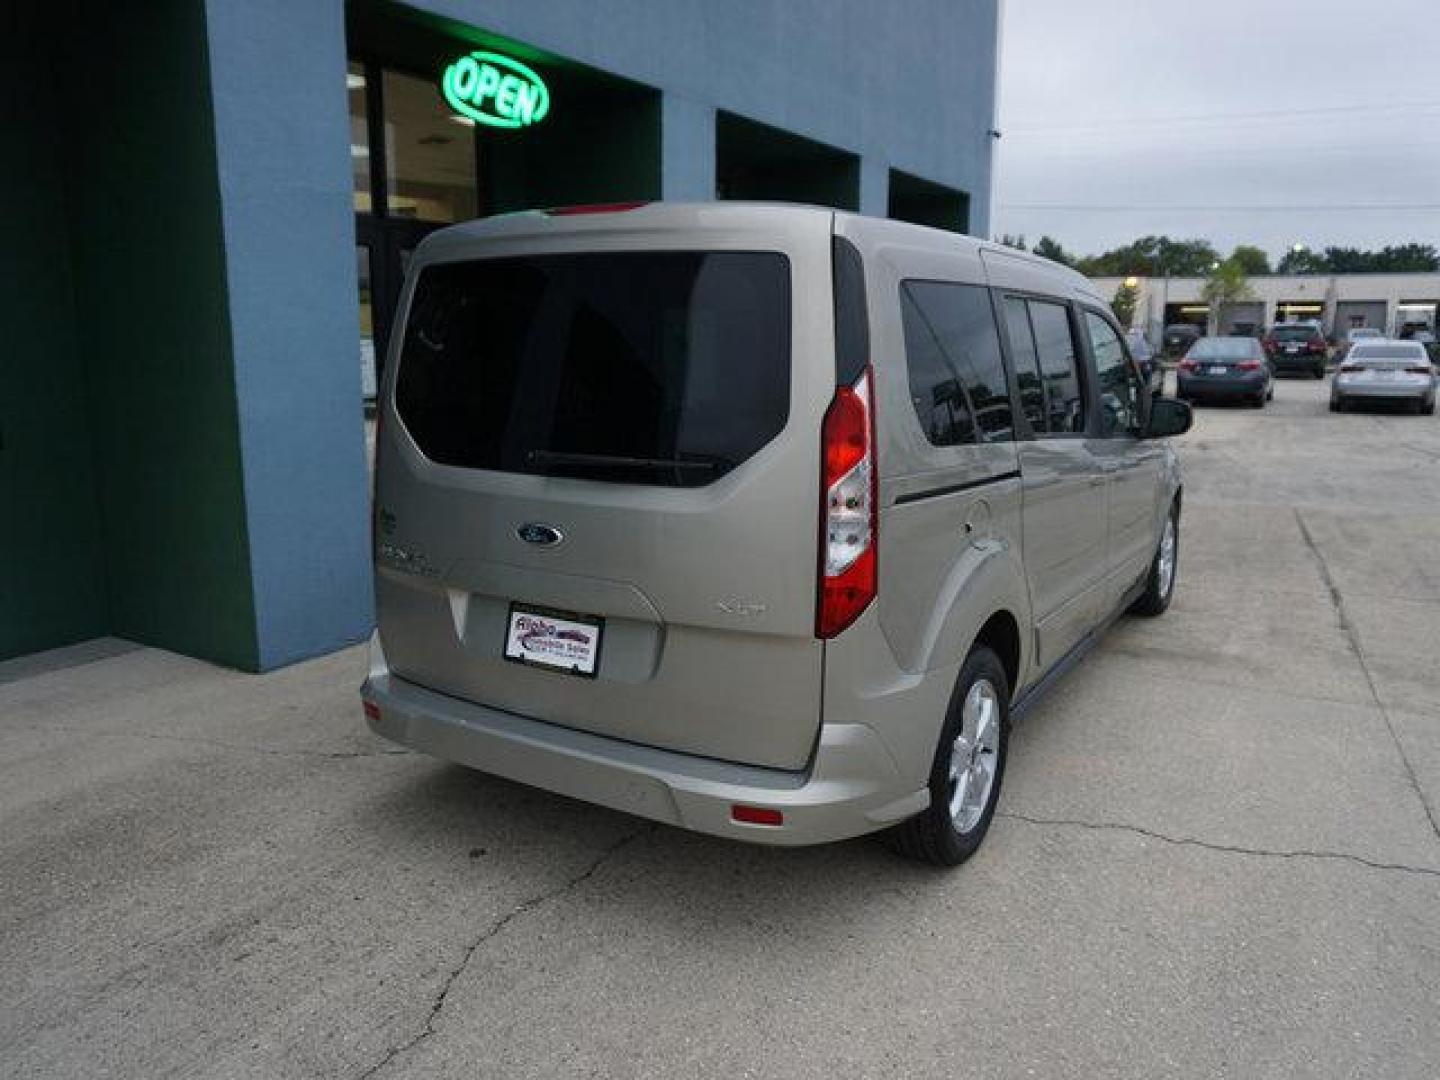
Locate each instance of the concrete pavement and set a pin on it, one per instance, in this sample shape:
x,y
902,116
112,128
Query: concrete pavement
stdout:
x,y
1217,852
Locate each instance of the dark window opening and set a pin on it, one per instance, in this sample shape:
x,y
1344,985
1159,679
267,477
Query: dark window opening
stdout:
x,y
923,202
756,161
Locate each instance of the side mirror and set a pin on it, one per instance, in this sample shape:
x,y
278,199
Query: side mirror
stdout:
x,y
1168,416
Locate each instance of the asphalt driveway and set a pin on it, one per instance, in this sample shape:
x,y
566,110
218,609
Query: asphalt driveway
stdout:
x,y
1217,852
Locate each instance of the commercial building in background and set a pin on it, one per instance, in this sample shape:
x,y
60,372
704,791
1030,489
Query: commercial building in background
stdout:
x,y
213,202
1391,303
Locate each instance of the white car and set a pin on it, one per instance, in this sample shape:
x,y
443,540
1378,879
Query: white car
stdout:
x,y
1383,370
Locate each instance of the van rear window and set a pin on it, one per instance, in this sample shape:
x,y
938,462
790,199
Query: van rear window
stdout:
x,y
664,368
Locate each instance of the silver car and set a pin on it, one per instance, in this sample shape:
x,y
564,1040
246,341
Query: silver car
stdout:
x,y
761,520
1385,371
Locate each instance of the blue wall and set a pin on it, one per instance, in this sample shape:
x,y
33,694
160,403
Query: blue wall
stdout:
x,y
282,141
906,85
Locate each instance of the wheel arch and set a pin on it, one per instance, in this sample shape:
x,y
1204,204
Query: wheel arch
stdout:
x,y
1000,633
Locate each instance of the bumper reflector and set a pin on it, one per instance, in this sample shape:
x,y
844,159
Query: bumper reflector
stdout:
x,y
756,815
372,711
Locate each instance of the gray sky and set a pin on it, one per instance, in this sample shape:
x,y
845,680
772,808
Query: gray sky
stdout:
x,y
1267,108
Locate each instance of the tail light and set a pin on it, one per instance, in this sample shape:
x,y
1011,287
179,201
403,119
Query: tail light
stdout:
x,y
1351,369
1316,345
593,208
849,522
1187,364
1249,365
1426,370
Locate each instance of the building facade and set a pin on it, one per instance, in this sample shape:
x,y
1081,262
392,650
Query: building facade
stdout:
x,y
213,202
1391,303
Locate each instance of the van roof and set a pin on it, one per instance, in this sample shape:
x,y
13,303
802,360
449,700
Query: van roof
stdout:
x,y
661,215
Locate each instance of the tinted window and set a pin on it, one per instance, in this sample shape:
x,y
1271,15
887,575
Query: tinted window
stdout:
x,y
1119,392
1227,348
660,368
1027,363
952,349
1064,407
1294,333
1388,352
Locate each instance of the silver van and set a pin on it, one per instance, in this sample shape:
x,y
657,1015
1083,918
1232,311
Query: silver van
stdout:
x,y
761,520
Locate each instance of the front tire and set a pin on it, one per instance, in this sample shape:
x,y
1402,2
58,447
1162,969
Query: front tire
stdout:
x,y
969,766
1160,582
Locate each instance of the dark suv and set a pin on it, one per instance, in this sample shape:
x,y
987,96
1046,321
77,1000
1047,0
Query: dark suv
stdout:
x,y
1179,337
1297,347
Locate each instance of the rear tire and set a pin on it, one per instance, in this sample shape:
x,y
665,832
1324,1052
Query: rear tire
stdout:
x,y
1429,409
1160,582
1320,372
1336,406
967,771
1258,402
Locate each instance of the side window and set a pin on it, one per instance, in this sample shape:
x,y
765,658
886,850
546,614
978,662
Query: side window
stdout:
x,y
1027,363
1059,370
1115,378
957,376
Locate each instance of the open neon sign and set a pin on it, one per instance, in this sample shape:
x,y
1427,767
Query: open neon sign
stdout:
x,y
495,90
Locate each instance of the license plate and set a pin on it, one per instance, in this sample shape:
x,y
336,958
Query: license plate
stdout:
x,y
1292,349
1383,376
549,639
1217,371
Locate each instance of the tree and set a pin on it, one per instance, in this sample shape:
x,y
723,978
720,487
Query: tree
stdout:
x,y
1226,285
1152,256
1301,260
1123,303
1251,259
1016,242
1051,249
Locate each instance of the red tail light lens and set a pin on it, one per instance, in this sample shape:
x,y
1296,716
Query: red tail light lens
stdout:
x,y
1426,370
593,208
1249,365
849,522
1351,369
1187,364
1317,345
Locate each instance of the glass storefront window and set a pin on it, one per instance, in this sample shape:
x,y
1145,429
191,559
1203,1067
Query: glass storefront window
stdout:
x,y
429,153
359,137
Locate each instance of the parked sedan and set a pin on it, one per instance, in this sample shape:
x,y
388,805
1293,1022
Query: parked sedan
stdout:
x,y
1226,367
1374,371
1298,347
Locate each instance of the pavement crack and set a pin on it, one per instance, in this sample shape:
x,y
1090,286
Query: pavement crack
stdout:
x,y
221,744
1357,648
1229,849
437,1004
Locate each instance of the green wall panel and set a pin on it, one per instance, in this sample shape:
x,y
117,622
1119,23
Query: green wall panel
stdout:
x,y
147,248
51,583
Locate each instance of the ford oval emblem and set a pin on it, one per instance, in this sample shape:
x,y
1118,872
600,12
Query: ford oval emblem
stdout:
x,y
533,532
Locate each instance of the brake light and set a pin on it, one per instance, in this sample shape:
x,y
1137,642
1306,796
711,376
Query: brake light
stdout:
x,y
1426,370
1187,364
1249,365
849,522
1351,369
593,208
1315,345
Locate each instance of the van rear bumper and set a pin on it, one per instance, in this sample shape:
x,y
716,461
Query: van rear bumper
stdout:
x,y
851,787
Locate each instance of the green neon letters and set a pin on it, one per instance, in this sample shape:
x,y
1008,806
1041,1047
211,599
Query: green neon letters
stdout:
x,y
495,90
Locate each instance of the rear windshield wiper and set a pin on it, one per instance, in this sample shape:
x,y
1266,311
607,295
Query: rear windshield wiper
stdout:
x,y
611,461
